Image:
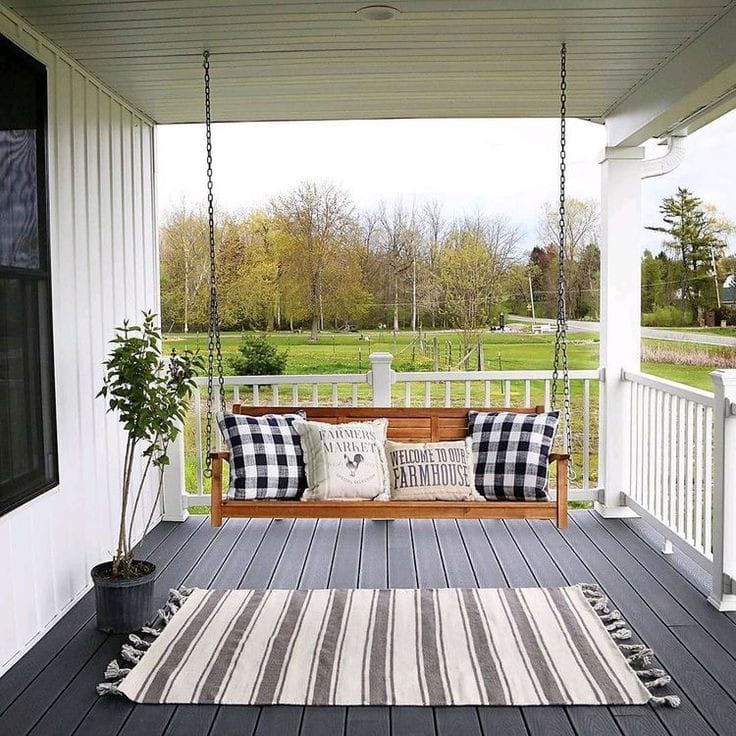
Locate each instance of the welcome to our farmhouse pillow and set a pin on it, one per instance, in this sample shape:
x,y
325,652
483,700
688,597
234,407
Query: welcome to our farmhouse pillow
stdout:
x,y
432,471
344,461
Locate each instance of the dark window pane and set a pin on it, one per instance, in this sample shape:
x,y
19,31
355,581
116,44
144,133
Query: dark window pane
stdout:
x,y
28,462
18,199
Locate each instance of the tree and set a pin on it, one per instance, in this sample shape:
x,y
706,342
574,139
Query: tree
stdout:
x,y
320,238
184,266
400,242
475,256
697,239
582,265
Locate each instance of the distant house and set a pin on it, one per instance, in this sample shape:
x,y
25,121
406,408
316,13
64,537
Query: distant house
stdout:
x,y
728,292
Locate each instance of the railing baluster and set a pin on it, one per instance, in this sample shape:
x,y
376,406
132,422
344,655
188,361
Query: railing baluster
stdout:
x,y
407,393
355,394
507,393
682,439
672,479
708,500
197,396
527,393
315,394
467,393
547,394
699,479
256,395
295,394
427,394
689,480
448,397
486,393
586,433
275,393
236,394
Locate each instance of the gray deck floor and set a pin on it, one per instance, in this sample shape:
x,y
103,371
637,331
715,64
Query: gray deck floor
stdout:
x,y
52,689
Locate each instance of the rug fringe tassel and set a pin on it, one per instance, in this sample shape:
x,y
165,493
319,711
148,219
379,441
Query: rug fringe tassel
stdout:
x,y
636,654
136,646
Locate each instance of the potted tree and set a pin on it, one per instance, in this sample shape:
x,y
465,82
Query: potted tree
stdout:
x,y
150,395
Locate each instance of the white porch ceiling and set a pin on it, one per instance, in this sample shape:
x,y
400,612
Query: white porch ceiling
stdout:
x,y
285,60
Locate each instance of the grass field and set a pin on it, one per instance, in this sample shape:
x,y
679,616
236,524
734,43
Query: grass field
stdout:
x,y
346,353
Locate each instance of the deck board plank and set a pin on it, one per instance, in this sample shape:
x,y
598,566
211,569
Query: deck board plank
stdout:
x,y
33,662
691,680
372,573
639,719
36,701
51,689
593,720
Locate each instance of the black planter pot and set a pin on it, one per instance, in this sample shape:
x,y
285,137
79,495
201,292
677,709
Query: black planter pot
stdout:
x,y
124,605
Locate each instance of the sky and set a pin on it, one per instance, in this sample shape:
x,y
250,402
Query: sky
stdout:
x,y
497,167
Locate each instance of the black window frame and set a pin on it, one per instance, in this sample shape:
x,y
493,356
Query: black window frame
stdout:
x,y
16,492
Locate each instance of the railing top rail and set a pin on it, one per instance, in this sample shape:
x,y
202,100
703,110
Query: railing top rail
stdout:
x,y
521,375
290,379
671,387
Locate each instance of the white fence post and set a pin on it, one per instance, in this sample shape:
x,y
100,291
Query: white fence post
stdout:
x,y
381,378
172,495
723,593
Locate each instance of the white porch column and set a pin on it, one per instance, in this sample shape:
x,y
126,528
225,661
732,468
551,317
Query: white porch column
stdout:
x,y
723,593
620,316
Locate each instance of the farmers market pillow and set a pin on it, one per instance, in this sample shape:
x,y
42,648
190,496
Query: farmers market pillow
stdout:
x,y
344,461
431,471
511,453
265,456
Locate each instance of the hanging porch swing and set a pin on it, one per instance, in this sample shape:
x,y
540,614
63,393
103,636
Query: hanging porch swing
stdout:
x,y
423,424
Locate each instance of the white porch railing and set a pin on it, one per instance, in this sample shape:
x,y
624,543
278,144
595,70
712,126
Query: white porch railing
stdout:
x,y
671,462
682,465
382,386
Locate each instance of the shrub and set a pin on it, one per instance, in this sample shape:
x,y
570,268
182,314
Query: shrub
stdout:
x,y
665,317
258,357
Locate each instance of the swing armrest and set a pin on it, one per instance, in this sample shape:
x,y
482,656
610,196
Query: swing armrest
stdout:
x,y
216,491
562,460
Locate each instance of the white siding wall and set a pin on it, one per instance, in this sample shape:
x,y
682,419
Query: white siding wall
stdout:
x,y
104,268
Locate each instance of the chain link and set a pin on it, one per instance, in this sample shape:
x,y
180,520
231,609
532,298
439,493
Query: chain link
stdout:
x,y
561,357
214,345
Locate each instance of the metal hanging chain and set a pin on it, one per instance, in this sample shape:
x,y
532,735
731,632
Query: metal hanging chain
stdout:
x,y
561,357
214,346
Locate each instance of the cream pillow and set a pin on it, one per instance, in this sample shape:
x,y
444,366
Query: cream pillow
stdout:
x,y
431,471
344,461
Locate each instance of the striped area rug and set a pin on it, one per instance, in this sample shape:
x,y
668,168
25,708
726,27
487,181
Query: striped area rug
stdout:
x,y
533,646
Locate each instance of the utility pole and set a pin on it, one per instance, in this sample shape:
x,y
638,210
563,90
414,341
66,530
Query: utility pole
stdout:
x,y
715,277
531,298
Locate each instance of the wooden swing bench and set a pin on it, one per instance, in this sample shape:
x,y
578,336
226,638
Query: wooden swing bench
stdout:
x,y
404,425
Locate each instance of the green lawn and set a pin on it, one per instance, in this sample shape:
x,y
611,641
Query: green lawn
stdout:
x,y
347,353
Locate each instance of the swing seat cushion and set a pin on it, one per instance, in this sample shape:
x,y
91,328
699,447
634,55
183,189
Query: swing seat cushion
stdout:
x,y
265,456
511,453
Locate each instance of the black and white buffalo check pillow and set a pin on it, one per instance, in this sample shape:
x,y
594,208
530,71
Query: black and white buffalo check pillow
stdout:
x,y
265,456
511,453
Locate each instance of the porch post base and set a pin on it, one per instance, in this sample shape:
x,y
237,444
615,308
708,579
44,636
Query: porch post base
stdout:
x,y
182,515
615,512
725,603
